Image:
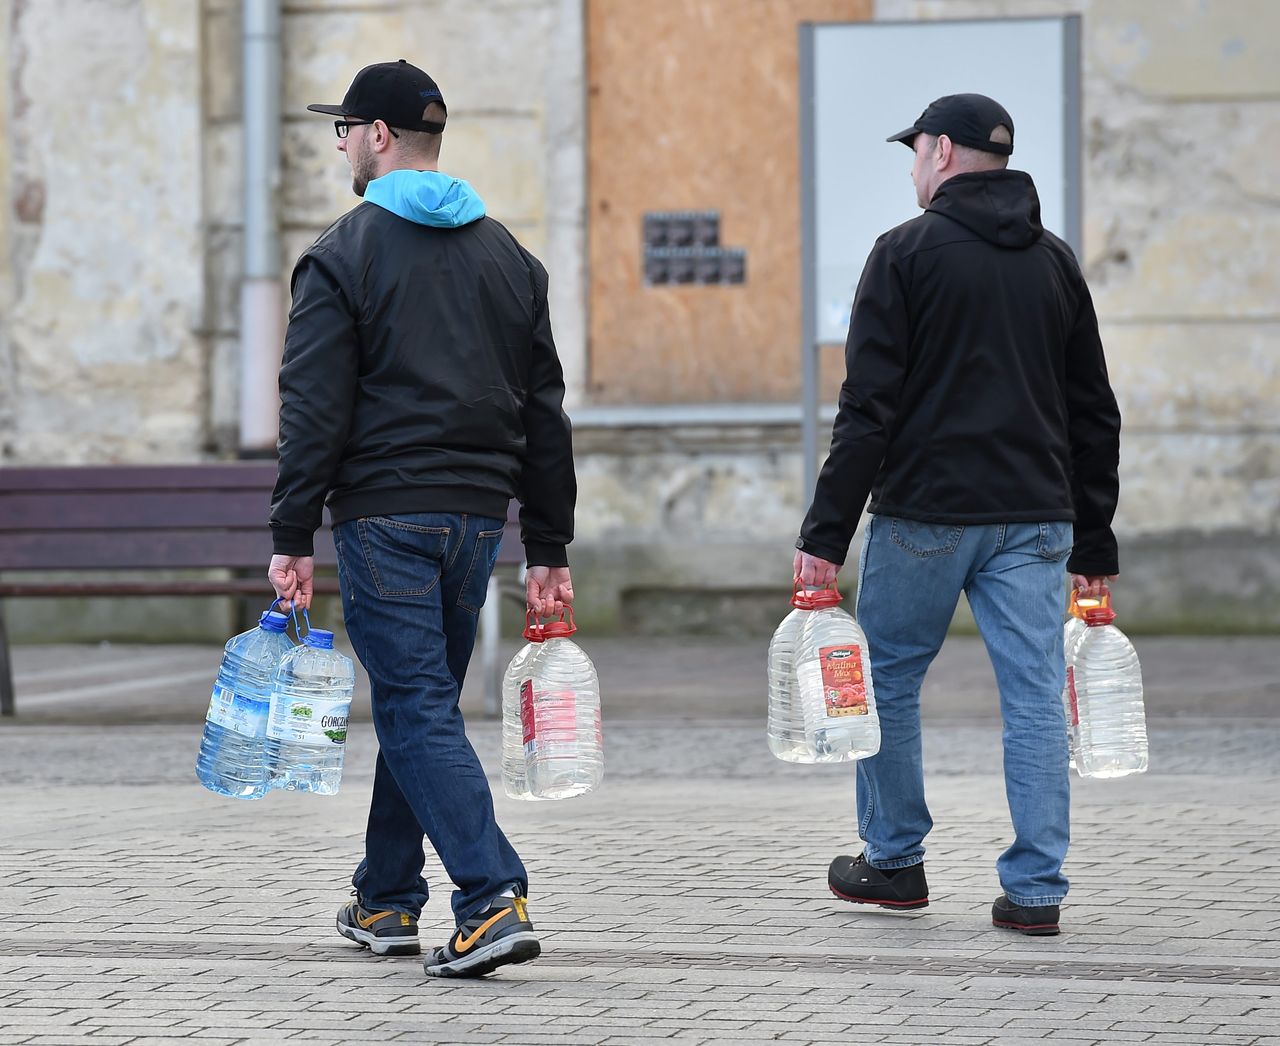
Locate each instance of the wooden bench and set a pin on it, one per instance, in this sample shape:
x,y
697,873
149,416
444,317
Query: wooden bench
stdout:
x,y
127,518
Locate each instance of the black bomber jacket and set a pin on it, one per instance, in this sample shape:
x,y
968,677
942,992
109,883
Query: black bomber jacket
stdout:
x,y
420,375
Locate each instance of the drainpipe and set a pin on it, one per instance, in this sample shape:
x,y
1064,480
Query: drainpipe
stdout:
x,y
261,293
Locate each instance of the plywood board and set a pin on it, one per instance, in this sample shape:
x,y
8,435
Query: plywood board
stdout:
x,y
694,105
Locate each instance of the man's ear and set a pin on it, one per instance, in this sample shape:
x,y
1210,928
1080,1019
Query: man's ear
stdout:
x,y
943,158
381,136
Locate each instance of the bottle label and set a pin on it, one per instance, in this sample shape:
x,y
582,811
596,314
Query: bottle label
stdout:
x,y
552,718
237,712
1071,695
303,721
844,683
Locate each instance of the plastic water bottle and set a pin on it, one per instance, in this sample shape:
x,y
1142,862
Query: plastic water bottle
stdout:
x,y
786,725
310,705
1105,684
232,759
552,743
1072,632
834,686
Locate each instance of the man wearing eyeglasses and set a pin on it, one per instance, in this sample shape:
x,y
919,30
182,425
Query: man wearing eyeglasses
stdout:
x,y
421,391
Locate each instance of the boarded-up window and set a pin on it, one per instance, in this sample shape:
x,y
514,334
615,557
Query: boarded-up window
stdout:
x,y
694,107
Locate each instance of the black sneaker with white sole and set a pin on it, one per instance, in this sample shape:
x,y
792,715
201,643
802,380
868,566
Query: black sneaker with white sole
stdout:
x,y
383,933
899,889
500,935
1037,921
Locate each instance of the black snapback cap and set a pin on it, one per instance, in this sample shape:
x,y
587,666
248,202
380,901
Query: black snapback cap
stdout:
x,y
395,92
967,119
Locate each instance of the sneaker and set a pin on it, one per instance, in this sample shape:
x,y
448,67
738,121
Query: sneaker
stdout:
x,y
502,934
1040,921
899,889
383,933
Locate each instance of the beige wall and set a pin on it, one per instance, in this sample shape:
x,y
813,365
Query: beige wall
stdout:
x,y
119,273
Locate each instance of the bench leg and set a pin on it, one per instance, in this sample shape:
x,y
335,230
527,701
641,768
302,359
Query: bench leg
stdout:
x,y
6,670
490,671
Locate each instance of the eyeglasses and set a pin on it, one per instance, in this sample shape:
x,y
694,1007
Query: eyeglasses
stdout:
x,y
343,127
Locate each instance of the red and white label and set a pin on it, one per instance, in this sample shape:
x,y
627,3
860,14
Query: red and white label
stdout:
x,y
844,684
1071,694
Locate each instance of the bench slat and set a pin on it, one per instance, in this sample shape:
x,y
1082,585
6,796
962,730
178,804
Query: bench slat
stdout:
x,y
133,509
136,550
184,587
248,475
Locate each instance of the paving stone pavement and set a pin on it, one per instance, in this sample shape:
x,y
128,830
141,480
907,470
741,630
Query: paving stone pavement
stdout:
x,y
685,901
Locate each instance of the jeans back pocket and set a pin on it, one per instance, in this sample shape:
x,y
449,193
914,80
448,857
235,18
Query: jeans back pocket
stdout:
x,y
925,539
404,558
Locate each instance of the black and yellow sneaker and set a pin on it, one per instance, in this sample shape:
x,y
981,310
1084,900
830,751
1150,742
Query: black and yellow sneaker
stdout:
x,y
900,889
383,933
500,935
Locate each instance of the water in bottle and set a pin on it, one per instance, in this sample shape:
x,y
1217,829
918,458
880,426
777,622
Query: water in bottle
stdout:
x,y
786,724
307,726
1109,720
232,759
552,744
834,685
1072,633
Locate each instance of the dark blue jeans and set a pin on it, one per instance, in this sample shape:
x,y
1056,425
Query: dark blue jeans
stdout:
x,y
412,587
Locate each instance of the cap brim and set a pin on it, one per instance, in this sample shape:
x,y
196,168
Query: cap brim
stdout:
x,y
906,137
332,110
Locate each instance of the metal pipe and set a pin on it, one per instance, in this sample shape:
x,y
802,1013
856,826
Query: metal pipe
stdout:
x,y
261,293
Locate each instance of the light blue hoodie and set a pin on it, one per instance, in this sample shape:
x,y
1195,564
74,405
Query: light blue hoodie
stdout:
x,y
426,197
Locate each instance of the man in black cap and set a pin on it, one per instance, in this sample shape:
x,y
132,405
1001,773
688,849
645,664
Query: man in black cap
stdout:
x,y
977,414
420,392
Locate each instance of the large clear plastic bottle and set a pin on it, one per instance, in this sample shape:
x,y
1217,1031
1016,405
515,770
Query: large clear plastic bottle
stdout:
x,y
232,759
1072,633
834,685
552,743
786,724
307,726
1106,691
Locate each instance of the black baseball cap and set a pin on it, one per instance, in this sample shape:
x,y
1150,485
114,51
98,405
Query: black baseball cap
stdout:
x,y
395,92
967,119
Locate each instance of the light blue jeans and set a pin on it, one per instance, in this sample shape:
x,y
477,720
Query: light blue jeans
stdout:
x,y
910,578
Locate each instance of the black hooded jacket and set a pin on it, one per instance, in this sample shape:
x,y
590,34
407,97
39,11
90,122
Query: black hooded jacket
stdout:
x,y
976,389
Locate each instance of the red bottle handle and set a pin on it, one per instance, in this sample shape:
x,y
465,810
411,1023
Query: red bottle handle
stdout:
x,y
537,632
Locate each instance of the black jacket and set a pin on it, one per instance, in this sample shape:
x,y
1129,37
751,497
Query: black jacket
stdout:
x,y
976,389
420,375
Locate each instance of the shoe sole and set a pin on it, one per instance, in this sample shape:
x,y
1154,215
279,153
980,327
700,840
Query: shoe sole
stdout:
x,y
516,948
380,945
1034,930
893,906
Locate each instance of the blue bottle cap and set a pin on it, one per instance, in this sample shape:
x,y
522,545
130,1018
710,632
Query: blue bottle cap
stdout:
x,y
272,621
320,638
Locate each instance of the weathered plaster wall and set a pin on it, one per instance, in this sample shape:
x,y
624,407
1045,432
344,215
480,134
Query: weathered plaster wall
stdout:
x,y
121,254
103,262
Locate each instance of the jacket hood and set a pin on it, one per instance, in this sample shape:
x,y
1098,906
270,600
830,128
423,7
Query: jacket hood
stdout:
x,y
426,197
1000,206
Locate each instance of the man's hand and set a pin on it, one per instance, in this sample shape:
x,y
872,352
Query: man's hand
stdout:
x,y
548,590
1092,584
292,577
814,572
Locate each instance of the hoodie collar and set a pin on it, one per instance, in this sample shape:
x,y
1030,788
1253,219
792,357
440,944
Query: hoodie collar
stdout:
x,y
427,198
1000,206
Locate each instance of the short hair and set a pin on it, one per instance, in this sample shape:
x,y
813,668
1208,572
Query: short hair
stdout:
x,y
424,144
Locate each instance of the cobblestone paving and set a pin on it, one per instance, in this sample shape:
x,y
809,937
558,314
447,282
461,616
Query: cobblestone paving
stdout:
x,y
685,902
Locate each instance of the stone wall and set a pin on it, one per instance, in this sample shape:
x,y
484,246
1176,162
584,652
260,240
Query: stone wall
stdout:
x,y
119,276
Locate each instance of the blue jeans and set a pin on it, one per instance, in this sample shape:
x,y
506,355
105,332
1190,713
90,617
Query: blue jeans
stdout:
x,y
910,578
412,587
